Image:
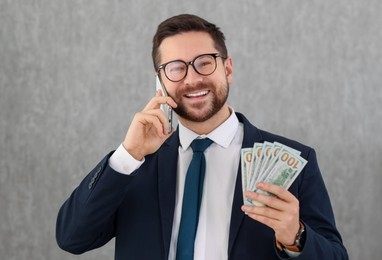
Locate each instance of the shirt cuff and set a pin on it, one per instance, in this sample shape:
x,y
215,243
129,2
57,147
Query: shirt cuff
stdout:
x,y
121,161
291,253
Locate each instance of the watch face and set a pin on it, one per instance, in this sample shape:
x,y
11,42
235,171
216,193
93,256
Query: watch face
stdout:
x,y
300,238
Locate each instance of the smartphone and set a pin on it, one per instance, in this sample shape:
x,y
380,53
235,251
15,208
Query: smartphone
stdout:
x,y
167,110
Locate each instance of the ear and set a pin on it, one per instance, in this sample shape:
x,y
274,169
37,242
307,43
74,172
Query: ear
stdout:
x,y
228,69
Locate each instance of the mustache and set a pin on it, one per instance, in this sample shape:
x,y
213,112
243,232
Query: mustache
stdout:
x,y
190,88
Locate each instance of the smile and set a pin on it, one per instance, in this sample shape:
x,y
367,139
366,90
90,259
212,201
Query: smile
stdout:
x,y
198,94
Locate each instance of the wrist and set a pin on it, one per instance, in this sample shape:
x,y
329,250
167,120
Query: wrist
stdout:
x,y
298,242
137,156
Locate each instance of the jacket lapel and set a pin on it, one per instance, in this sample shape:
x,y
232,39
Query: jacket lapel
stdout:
x,y
167,168
251,135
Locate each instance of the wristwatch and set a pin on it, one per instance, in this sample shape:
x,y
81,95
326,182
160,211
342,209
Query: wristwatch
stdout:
x,y
298,242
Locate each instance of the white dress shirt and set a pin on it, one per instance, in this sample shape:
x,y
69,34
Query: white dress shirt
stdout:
x,y
222,162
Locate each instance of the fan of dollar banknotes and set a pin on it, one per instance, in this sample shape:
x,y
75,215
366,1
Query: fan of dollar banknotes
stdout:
x,y
268,162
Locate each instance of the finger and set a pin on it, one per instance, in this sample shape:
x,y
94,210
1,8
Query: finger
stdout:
x,y
151,119
268,200
276,190
158,100
273,218
159,93
280,199
163,119
266,211
272,223
262,218
263,211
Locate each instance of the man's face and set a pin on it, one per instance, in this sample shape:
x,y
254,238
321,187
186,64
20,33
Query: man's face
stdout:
x,y
198,97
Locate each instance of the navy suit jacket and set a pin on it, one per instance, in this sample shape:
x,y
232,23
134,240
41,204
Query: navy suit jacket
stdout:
x,y
138,209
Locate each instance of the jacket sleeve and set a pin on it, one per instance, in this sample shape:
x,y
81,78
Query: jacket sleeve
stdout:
x,y
323,240
86,219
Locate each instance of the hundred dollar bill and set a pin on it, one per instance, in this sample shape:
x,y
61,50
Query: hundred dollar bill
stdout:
x,y
272,159
246,160
259,161
271,152
256,153
286,169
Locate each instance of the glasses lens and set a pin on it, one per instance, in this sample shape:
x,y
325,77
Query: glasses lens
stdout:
x,y
176,70
205,64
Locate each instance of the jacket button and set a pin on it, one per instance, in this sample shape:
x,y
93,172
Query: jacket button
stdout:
x,y
93,179
97,172
91,184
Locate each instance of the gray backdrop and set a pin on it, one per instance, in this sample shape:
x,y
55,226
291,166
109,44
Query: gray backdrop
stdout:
x,y
73,73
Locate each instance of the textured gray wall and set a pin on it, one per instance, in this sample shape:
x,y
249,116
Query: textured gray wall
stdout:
x,y
72,74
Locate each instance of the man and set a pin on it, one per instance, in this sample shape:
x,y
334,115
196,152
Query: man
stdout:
x,y
135,194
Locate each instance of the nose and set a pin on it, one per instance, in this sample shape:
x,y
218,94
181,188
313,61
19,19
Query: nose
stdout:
x,y
192,76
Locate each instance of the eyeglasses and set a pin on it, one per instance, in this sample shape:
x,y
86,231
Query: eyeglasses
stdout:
x,y
204,65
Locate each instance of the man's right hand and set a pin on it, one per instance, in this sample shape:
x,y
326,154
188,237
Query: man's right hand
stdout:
x,y
148,130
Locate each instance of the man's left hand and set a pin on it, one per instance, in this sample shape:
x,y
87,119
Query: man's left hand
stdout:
x,y
281,212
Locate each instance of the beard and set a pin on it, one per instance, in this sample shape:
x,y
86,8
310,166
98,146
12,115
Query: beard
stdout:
x,y
201,112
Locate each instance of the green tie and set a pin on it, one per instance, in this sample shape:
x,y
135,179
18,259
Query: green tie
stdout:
x,y
192,197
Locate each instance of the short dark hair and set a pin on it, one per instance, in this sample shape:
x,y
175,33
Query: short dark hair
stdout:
x,y
186,23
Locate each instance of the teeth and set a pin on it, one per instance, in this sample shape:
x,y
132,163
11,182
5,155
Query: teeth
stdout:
x,y
202,93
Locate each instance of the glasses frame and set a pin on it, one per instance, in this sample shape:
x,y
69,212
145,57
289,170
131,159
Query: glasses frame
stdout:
x,y
192,63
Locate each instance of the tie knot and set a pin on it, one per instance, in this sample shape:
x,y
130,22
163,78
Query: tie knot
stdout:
x,y
199,145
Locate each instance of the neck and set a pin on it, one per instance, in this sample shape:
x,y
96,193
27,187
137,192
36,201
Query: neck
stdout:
x,y
203,128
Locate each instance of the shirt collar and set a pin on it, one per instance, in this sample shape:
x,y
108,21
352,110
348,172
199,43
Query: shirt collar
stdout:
x,y
222,135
